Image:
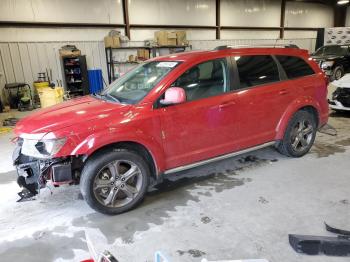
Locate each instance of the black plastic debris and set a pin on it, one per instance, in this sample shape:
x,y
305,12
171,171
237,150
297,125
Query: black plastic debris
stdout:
x,y
313,245
337,230
248,159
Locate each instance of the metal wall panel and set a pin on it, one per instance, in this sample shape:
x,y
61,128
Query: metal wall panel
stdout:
x,y
7,62
299,14
249,34
16,62
250,13
172,12
292,34
62,11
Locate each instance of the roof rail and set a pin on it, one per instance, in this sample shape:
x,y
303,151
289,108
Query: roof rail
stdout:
x,y
223,47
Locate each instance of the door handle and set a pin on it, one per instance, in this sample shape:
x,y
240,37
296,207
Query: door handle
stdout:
x,y
283,92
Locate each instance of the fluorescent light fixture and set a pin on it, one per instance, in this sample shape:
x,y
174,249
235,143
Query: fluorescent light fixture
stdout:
x,y
342,2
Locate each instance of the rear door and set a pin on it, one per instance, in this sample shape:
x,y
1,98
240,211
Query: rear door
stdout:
x,y
206,124
262,97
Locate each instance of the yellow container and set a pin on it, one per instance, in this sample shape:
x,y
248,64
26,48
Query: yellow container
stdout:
x,y
40,85
50,96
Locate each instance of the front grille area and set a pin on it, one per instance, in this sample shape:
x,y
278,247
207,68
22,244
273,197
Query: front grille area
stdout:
x,y
342,95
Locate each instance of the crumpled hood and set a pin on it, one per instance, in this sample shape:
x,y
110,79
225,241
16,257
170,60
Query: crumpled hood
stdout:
x,y
67,114
343,82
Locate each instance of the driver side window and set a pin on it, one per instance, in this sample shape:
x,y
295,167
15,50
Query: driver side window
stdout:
x,y
204,80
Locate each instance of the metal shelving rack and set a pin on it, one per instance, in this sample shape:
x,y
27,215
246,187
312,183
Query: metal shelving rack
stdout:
x,y
153,53
75,75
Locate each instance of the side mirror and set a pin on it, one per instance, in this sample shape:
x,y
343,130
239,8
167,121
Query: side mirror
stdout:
x,y
174,95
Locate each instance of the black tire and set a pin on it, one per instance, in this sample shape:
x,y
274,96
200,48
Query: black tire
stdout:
x,y
338,73
92,171
287,145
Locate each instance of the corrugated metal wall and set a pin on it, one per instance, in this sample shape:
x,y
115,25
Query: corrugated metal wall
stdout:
x,y
21,62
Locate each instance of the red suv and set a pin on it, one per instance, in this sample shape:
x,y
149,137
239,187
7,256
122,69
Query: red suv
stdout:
x,y
169,114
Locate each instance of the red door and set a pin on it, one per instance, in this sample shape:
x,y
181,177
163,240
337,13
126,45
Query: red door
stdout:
x,y
205,126
199,130
262,98
260,109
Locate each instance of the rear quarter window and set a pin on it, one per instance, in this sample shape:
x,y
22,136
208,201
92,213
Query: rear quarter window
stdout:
x,y
294,66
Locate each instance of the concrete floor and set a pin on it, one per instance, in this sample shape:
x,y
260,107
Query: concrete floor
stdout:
x,y
239,208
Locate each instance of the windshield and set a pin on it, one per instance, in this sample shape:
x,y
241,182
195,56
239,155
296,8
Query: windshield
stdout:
x,y
332,50
137,83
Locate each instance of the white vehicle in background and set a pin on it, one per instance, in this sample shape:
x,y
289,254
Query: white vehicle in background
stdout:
x,y
339,94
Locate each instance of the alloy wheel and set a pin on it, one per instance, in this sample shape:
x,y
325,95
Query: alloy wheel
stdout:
x,y
118,183
338,74
302,134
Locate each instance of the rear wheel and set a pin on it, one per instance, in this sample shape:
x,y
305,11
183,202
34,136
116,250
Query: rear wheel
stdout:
x,y
299,136
114,182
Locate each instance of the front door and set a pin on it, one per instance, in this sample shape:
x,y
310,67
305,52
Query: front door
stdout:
x,y
205,125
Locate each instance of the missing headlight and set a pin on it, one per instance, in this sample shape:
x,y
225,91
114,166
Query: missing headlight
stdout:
x,y
40,146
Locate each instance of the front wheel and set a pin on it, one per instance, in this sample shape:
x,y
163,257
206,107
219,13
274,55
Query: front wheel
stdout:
x,y
338,73
299,136
114,182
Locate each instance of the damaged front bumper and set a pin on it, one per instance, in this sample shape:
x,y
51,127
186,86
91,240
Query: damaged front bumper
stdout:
x,y
340,99
33,173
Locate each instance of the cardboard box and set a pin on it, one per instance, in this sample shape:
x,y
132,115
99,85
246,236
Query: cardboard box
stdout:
x,y
161,37
172,38
132,58
181,38
143,54
112,41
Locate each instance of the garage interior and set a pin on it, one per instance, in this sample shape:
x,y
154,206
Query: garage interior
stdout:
x,y
241,208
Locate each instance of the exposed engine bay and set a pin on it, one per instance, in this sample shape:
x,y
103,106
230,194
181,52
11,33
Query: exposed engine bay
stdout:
x,y
34,173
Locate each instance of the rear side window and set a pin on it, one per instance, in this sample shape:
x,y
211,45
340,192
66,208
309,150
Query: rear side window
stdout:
x,y
295,66
256,70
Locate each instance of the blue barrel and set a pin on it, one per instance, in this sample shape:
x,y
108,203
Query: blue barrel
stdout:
x,y
95,80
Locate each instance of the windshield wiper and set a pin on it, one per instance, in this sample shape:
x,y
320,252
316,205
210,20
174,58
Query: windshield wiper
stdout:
x,y
96,95
111,97
106,97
